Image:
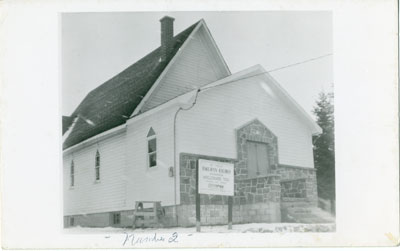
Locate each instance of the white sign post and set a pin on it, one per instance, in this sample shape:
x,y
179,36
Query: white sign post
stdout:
x,y
215,178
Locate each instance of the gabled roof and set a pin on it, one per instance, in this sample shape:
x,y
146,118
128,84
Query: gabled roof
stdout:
x,y
258,71
213,49
111,104
66,123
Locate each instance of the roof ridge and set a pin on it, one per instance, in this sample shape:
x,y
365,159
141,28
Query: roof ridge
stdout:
x,y
103,85
111,103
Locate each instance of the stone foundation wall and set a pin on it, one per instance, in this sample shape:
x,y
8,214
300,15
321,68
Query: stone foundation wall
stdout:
x,y
298,182
210,215
257,190
169,219
218,214
258,212
100,219
255,199
247,190
295,188
126,219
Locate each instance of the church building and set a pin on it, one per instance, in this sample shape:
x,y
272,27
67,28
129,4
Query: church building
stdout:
x,y
138,136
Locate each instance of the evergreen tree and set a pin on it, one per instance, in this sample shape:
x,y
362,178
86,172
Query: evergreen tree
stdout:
x,y
324,148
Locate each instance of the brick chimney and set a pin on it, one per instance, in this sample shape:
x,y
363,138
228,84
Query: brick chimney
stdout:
x,y
167,33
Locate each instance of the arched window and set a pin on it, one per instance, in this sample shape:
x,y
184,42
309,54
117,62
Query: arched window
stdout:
x,y
72,174
97,165
152,148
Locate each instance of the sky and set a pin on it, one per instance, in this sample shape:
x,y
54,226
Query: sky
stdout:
x,y
97,46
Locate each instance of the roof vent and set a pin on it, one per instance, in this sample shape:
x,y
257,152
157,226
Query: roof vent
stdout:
x,y
167,33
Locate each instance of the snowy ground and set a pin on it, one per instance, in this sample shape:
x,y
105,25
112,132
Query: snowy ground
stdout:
x,y
238,228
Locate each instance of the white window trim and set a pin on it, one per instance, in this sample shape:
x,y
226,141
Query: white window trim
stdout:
x,y
148,154
72,174
97,167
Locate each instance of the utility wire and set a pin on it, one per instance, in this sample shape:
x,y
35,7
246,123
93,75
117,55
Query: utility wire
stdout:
x,y
262,73
302,62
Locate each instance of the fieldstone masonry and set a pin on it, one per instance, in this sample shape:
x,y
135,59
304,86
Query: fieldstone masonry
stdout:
x,y
218,214
295,188
257,190
247,190
301,182
255,199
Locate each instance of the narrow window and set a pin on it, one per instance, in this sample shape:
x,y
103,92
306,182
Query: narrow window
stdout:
x,y
116,218
257,161
97,165
71,221
152,148
72,174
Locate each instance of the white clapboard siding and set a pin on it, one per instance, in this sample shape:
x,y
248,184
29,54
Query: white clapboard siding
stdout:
x,y
144,183
209,128
87,195
196,66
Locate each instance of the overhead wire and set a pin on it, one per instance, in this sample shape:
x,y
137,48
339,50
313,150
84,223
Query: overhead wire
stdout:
x,y
264,72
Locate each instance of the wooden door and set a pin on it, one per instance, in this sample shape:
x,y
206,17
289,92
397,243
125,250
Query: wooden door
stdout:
x,y
262,158
257,162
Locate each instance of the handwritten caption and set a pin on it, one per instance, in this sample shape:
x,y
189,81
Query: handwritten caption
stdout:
x,y
131,239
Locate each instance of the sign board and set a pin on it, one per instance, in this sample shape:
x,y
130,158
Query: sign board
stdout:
x,y
216,177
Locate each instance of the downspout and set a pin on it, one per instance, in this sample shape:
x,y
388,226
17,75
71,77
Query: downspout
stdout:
x,y
175,117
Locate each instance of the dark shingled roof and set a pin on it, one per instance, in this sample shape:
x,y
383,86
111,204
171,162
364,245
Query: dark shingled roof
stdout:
x,y
66,122
111,104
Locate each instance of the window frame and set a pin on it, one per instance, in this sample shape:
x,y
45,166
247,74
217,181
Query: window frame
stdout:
x,y
151,135
114,216
72,174
97,165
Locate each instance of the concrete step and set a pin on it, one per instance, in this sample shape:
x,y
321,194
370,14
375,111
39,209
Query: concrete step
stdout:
x,y
299,214
304,204
297,210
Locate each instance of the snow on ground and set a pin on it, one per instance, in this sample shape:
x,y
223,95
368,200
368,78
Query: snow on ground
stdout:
x,y
237,228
